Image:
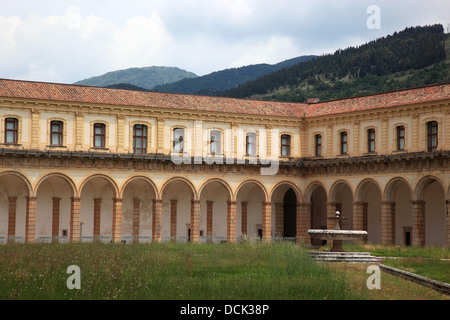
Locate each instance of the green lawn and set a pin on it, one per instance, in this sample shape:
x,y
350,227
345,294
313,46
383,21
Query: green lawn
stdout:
x,y
250,271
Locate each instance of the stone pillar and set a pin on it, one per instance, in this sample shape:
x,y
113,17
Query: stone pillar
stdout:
x,y
267,221
97,211
418,230
136,219
117,220
447,220
75,212
160,135
12,207
244,230
387,220
195,221
79,129
279,223
35,124
173,220
209,221
30,227
331,213
303,222
157,220
55,218
121,134
231,221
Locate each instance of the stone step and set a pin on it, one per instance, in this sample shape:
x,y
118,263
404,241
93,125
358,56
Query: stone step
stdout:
x,y
354,257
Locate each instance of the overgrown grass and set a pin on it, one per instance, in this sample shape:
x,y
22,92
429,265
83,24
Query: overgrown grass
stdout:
x,y
278,271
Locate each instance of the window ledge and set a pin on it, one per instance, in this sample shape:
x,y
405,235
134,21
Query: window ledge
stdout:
x,y
98,149
6,144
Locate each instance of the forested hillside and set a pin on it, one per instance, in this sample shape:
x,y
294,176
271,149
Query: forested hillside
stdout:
x,y
410,58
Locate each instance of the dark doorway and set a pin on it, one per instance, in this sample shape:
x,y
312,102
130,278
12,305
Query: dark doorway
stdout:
x,y
290,214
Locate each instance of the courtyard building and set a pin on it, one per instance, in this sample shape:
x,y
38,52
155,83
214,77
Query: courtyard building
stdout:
x,y
86,164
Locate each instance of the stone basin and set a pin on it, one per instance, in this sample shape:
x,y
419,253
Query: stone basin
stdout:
x,y
337,234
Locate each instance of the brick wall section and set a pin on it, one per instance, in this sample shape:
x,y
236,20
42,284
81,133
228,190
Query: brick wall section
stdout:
x,y
117,220
244,230
447,220
136,219
75,211
55,218
279,221
195,221
231,221
209,220
387,216
12,207
156,220
303,223
173,219
267,221
418,231
30,227
97,207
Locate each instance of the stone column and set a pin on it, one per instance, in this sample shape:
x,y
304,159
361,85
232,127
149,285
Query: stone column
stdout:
x,y
209,221
418,230
279,223
12,207
55,218
30,228
447,220
244,230
117,220
195,221
303,222
357,215
173,220
160,135
136,219
387,219
97,211
231,221
157,220
331,213
267,221
75,212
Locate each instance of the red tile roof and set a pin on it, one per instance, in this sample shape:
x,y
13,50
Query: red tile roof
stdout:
x,y
96,95
382,100
107,96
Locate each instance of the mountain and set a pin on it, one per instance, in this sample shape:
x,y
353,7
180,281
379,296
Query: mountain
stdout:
x,y
413,57
145,78
217,82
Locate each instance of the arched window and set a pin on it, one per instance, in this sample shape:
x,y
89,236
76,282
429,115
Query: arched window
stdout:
x,y
285,145
178,139
250,144
216,141
432,127
140,139
56,133
99,135
11,130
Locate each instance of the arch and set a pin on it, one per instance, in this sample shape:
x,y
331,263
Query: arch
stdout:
x,y
23,178
310,189
294,187
59,175
337,186
185,180
423,183
149,181
363,184
222,182
258,183
111,180
392,184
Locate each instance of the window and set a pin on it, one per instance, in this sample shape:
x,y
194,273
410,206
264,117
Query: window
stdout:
x,y
318,143
11,130
215,142
400,138
56,133
140,139
344,143
371,140
285,145
432,136
178,139
250,144
99,135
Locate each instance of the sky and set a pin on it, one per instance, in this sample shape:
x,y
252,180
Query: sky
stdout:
x,y
66,41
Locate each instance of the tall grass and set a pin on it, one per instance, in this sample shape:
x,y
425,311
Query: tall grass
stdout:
x,y
278,271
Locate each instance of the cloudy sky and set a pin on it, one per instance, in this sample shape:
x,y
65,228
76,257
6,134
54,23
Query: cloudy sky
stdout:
x,y
66,41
